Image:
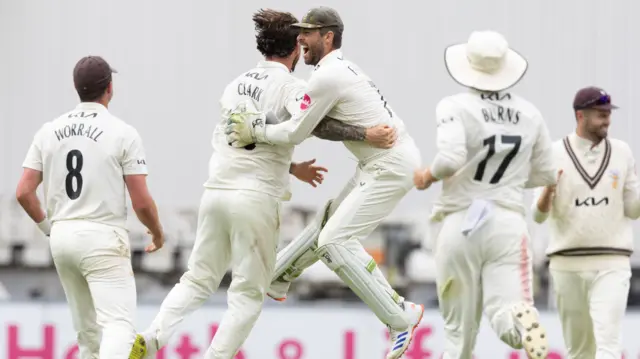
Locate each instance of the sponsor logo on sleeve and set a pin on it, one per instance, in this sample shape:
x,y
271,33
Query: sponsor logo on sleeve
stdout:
x,y
306,102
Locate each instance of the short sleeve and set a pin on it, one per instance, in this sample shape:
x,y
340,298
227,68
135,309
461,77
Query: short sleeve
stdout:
x,y
134,159
34,154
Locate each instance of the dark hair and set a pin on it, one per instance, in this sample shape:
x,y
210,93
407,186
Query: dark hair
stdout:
x,y
93,96
274,34
91,77
337,35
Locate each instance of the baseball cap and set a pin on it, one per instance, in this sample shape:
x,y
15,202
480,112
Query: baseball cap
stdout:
x,y
92,75
320,17
593,97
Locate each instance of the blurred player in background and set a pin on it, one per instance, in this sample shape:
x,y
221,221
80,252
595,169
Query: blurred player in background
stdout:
x,y
590,212
84,159
341,90
239,218
492,145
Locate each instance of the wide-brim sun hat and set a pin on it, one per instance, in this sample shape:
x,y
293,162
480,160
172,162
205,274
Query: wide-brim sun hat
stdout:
x,y
485,62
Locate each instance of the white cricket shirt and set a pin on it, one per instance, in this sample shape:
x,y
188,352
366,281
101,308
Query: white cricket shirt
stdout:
x,y
83,156
596,198
493,146
271,87
341,90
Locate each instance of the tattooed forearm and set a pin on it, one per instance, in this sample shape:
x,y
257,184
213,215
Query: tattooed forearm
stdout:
x,y
333,130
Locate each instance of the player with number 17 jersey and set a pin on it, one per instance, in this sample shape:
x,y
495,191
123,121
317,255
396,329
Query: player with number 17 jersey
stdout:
x,y
85,154
501,138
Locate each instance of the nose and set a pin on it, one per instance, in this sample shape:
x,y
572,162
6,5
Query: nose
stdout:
x,y
299,38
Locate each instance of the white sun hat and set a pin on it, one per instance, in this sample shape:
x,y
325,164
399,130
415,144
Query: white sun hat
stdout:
x,y
485,62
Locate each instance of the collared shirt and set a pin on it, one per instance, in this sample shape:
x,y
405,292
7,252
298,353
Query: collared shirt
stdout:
x,y
270,87
83,156
341,90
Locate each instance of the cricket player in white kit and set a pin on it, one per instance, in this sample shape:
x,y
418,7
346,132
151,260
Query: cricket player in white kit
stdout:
x,y
84,159
341,90
239,217
590,212
492,145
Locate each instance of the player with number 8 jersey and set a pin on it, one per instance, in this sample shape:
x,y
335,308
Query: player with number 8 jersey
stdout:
x,y
86,159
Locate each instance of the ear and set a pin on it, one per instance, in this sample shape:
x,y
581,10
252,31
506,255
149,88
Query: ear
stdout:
x,y
330,35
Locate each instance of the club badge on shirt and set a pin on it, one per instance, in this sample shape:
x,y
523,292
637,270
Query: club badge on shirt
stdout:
x,y
615,176
306,102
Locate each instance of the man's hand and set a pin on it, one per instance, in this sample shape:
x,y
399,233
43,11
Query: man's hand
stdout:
x,y
550,190
307,172
423,179
157,241
546,198
245,126
381,136
239,130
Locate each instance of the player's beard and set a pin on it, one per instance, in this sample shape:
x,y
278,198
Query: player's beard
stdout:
x,y
598,133
316,53
602,132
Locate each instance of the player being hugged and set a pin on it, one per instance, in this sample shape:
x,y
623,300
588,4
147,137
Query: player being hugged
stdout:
x,y
239,218
589,213
85,159
339,89
489,143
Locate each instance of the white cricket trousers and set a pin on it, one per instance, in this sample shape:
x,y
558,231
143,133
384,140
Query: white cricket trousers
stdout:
x,y
94,264
365,201
237,229
490,268
591,305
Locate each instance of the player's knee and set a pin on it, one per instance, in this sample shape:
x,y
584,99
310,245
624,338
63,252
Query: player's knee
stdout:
x,y
250,294
205,285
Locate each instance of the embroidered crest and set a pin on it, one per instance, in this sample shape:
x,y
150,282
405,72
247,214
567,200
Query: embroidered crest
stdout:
x,y
615,176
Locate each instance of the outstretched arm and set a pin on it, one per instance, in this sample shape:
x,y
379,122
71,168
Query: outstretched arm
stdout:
x,y
320,97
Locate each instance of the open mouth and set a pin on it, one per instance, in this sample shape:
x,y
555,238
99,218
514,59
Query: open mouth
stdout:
x,y
305,49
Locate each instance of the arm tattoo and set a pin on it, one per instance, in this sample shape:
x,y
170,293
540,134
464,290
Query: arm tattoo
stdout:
x,y
333,130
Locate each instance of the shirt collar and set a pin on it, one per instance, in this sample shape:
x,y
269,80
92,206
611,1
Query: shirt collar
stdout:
x,y
91,106
272,65
491,95
333,55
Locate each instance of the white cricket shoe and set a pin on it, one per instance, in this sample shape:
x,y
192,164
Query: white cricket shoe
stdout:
x,y
150,342
532,334
278,290
400,339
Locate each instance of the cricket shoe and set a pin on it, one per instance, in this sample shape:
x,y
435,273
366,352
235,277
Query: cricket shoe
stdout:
x,y
532,334
145,346
400,339
139,348
278,290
